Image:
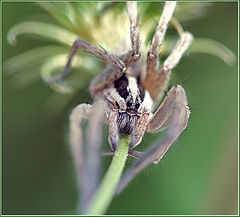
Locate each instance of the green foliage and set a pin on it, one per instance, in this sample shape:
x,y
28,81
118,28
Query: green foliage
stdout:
x,y
88,21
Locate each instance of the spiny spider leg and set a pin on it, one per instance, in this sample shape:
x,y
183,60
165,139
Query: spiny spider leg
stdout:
x,y
109,75
79,113
86,46
141,128
152,58
175,106
134,54
112,97
113,137
163,117
155,80
175,56
158,37
94,141
87,161
134,29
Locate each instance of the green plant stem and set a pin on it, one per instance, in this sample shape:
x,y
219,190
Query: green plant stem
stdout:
x,y
106,190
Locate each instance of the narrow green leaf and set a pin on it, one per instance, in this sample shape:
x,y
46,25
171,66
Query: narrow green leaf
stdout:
x,y
53,64
57,63
203,45
195,10
61,87
25,78
72,15
32,57
62,12
48,31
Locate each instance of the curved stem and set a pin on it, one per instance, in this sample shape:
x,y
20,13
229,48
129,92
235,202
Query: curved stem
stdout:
x,y
106,190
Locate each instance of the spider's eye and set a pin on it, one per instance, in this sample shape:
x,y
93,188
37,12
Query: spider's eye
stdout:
x,y
129,103
137,105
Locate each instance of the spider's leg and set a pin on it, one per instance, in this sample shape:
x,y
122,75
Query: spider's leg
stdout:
x,y
156,80
79,113
104,80
109,75
86,46
138,135
153,80
86,159
93,145
115,103
175,56
173,113
134,54
152,58
113,137
136,154
162,118
175,108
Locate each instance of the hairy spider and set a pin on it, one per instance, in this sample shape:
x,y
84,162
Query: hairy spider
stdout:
x,y
130,93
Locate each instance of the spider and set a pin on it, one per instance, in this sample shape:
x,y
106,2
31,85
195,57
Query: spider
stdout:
x,y
129,94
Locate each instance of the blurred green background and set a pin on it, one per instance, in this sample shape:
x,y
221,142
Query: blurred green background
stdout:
x,y
199,175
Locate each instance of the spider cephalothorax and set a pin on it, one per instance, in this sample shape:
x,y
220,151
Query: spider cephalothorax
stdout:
x,y
129,93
